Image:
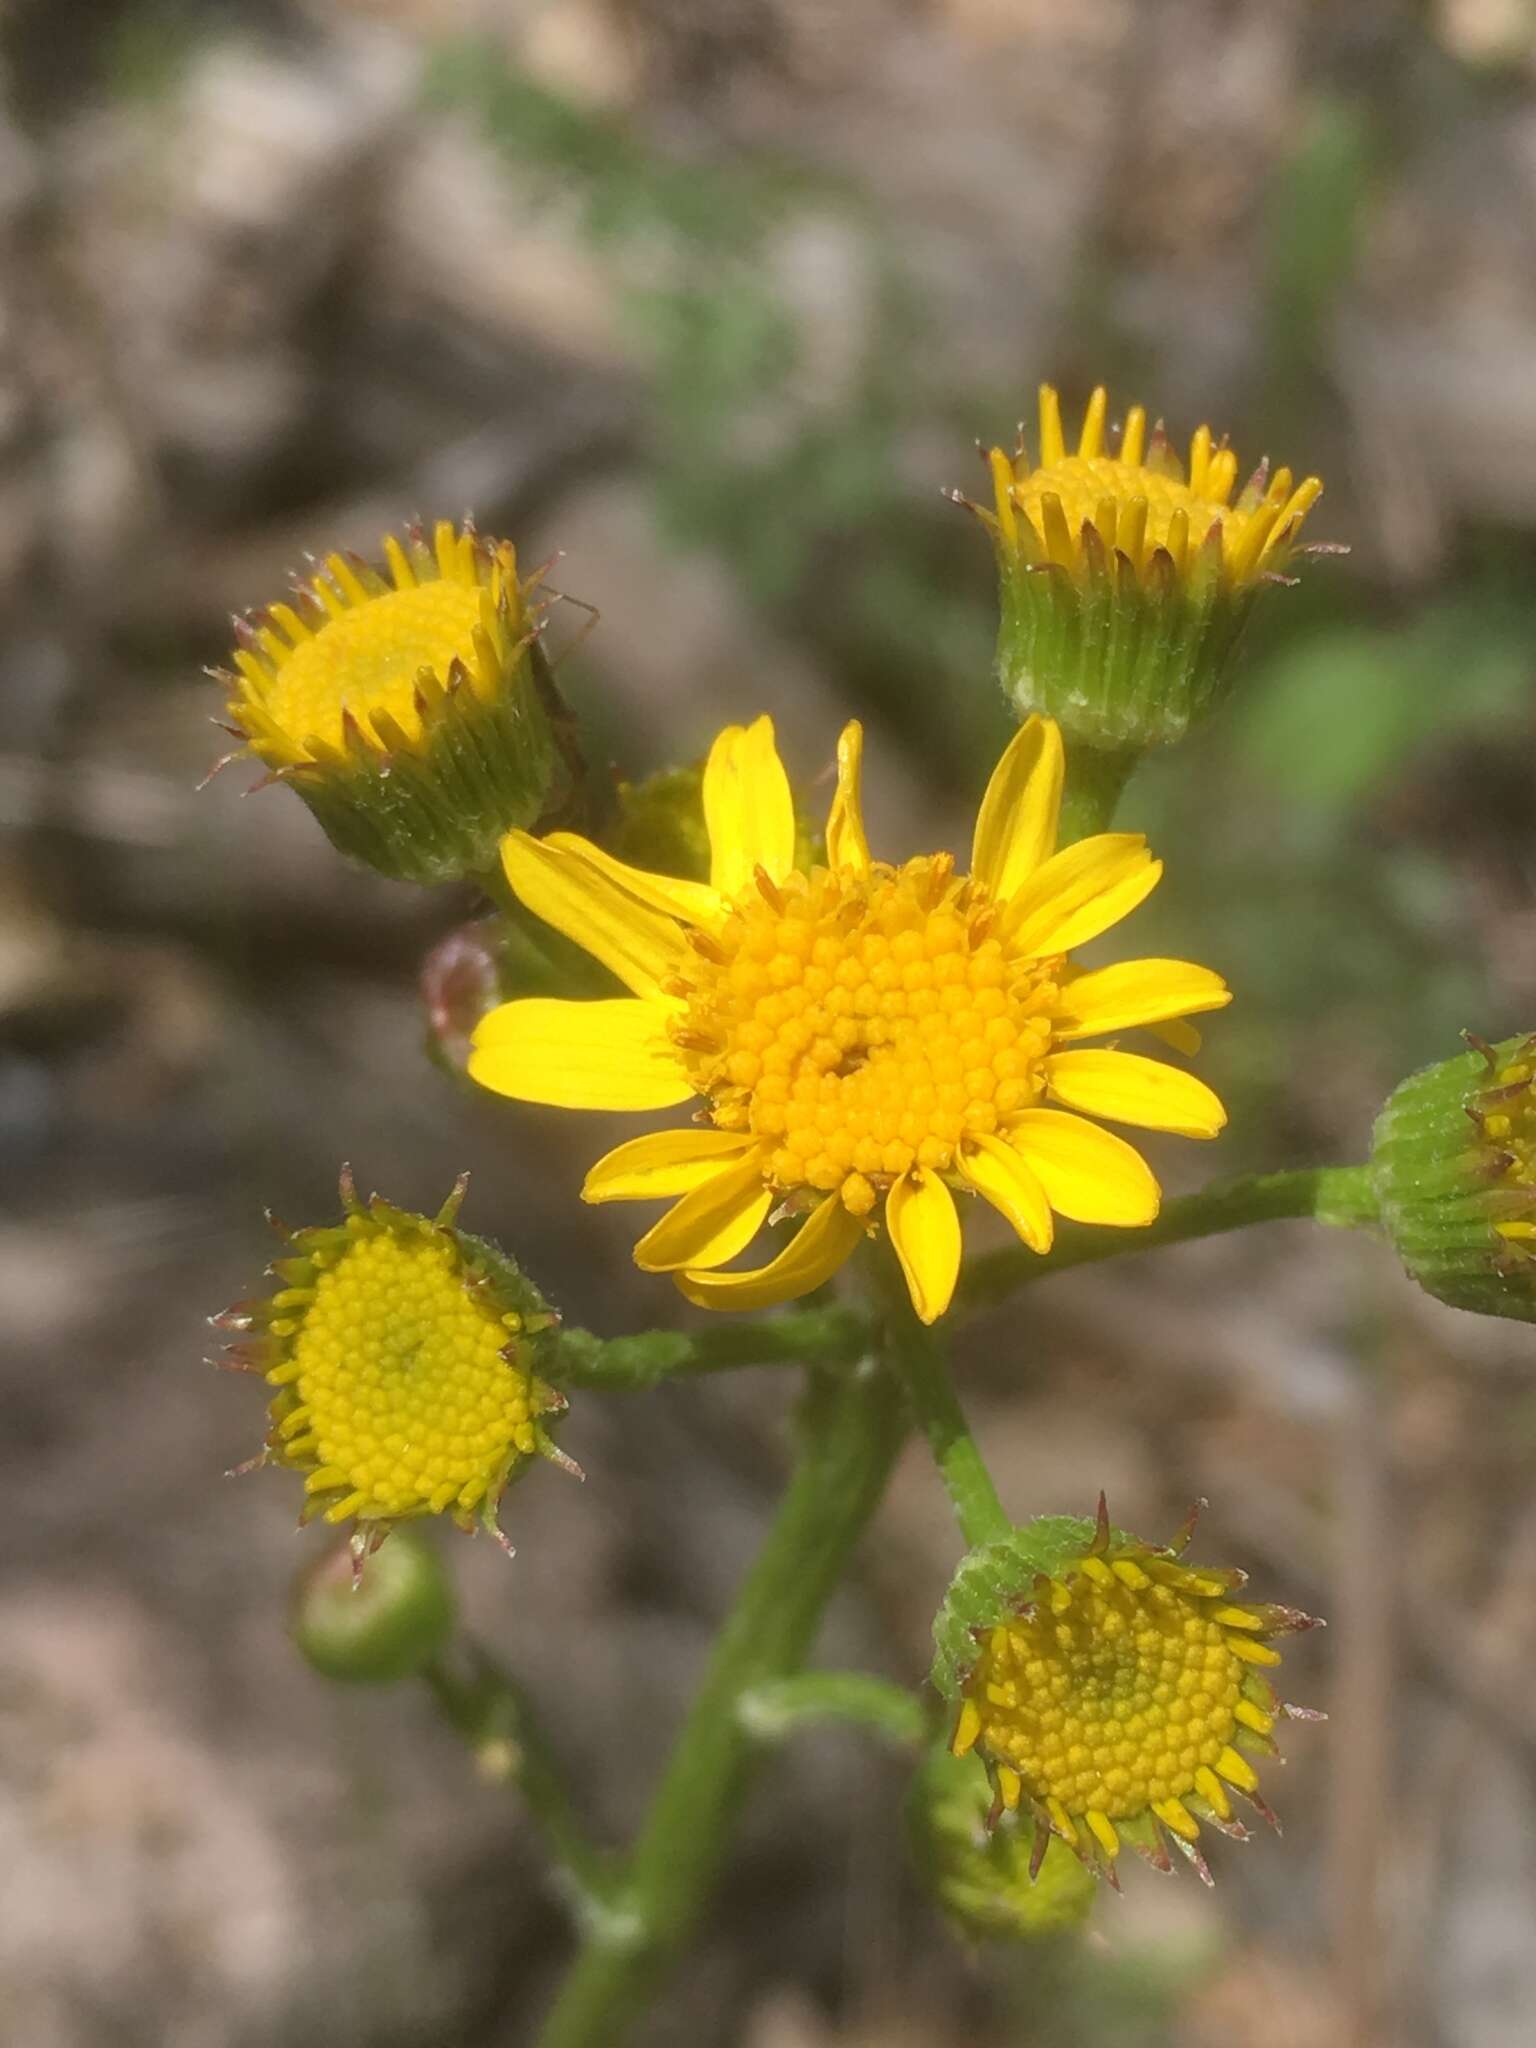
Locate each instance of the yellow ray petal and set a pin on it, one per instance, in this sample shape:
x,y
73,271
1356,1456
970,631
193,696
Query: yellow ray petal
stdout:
x,y
995,1170
712,1224
670,895
1053,445
820,1246
1081,892
604,1055
748,809
1016,825
925,1229
1132,1090
662,1164
1136,992
577,898
1088,1174
847,845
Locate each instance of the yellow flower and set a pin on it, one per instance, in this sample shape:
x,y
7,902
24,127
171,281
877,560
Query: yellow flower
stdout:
x,y
411,709
402,1352
1122,1698
860,1033
1126,578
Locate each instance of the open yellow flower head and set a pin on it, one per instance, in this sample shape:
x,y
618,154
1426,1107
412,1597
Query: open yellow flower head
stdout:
x,y
411,708
1454,1168
1127,576
1113,1692
402,1354
862,1039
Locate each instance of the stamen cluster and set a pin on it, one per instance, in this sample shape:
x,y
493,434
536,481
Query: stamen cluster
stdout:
x,y
865,1025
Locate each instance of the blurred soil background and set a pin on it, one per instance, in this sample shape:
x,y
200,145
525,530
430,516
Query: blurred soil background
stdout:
x,y
714,298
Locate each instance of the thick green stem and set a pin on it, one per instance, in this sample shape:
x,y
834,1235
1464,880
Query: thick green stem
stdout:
x,y
810,1336
1095,779
1337,1195
850,1430
918,1357
488,1708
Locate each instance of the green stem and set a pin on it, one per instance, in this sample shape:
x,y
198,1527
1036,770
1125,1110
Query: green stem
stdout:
x,y
1338,1195
783,1706
489,1709
1095,778
811,1336
918,1358
850,1431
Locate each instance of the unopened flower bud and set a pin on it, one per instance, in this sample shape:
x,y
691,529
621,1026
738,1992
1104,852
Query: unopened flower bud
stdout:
x,y
378,1626
1454,1167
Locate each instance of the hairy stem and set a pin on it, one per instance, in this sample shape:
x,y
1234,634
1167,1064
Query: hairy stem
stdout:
x,y
918,1357
850,1430
1095,778
1337,1195
489,1709
809,1336
810,1699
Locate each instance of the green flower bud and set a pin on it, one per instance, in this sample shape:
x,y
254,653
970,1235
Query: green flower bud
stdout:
x,y
1454,1168
374,1627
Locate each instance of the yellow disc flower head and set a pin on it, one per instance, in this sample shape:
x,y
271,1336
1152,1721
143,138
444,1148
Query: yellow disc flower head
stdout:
x,y
863,1036
1453,1164
1126,576
402,1354
412,708
1113,1692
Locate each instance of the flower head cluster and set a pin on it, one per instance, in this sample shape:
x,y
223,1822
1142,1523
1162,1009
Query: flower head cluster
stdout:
x,y
1454,1167
411,708
401,1353
1126,575
1113,1691
864,1037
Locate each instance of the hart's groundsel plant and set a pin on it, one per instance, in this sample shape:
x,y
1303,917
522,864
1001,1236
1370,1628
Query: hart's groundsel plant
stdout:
x,y
850,1062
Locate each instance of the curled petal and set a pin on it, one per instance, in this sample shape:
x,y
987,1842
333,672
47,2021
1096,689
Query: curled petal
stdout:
x,y
1016,825
819,1247
1087,1173
567,889
748,809
847,843
662,1164
1129,1089
920,1215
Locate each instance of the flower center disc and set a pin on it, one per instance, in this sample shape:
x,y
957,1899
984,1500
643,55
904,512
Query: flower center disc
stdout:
x,y
402,1380
1111,1705
367,659
863,1027
1083,482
